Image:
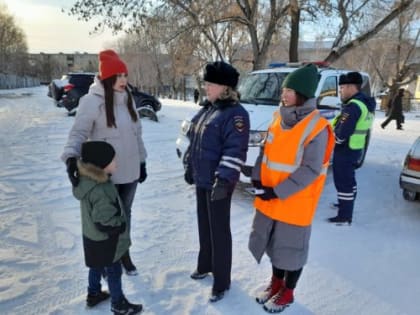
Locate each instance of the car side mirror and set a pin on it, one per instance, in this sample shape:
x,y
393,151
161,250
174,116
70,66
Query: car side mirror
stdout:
x,y
330,102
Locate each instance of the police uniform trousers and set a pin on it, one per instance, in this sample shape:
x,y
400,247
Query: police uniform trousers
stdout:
x,y
215,237
344,166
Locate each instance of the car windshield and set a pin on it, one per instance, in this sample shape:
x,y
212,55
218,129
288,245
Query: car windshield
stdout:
x,y
366,85
82,80
261,88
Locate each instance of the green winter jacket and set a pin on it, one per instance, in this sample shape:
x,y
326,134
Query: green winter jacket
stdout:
x,y
105,236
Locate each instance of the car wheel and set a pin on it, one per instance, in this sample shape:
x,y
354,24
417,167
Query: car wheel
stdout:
x,y
147,111
147,103
409,195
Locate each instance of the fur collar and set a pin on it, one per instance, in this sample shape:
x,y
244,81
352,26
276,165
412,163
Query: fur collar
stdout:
x,y
219,104
93,172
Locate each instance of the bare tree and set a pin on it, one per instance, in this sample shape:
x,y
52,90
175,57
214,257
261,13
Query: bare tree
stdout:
x,y
204,15
299,13
13,47
351,12
260,19
398,66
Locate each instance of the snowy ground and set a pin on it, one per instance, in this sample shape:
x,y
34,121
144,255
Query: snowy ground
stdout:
x,y
369,268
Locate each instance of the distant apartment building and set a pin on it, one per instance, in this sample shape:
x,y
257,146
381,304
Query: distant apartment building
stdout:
x,y
52,66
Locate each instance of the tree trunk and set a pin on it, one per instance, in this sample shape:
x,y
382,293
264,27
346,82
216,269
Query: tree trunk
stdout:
x,y
294,31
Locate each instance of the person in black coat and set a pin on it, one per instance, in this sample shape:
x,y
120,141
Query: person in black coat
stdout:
x,y
219,135
196,95
395,111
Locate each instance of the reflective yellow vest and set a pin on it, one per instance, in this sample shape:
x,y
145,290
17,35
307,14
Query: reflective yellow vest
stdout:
x,y
357,140
283,152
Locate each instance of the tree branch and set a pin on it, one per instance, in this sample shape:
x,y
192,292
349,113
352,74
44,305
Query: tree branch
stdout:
x,y
338,52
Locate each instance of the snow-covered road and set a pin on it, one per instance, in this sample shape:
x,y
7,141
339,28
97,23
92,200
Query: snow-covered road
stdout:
x,y
369,268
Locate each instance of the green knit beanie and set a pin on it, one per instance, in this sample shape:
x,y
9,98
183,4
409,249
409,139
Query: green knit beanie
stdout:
x,y
303,80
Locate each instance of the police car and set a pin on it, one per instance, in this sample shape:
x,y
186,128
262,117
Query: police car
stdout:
x,y
260,95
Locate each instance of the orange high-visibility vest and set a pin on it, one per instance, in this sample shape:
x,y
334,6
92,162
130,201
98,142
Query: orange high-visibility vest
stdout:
x,y
283,152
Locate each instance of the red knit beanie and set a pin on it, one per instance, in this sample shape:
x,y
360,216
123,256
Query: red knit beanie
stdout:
x,y
110,64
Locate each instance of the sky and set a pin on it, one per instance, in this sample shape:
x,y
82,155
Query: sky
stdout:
x,y
49,30
368,268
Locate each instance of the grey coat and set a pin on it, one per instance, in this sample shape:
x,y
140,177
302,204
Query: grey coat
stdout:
x,y
287,245
90,124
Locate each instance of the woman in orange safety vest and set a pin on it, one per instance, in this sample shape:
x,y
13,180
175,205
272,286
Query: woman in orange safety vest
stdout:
x,y
289,176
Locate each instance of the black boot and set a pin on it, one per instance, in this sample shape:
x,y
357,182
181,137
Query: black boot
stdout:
x,y
95,299
128,265
196,275
217,295
123,307
339,221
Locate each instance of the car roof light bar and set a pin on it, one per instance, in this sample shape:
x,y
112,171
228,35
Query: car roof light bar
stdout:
x,y
321,64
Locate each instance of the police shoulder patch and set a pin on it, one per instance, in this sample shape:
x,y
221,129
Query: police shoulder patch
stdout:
x,y
344,117
239,123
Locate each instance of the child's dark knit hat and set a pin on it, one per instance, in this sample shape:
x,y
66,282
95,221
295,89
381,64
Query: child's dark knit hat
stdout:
x,y
303,80
98,153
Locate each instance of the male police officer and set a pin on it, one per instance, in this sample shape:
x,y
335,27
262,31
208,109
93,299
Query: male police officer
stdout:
x,y
350,128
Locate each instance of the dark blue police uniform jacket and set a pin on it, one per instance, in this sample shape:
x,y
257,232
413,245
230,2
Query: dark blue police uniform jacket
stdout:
x,y
219,136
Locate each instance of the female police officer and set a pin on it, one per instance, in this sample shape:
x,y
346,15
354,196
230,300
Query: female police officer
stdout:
x,y
218,145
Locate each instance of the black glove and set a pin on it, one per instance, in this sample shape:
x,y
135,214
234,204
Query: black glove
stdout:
x,y
121,228
72,171
221,189
257,184
268,193
143,173
111,230
188,176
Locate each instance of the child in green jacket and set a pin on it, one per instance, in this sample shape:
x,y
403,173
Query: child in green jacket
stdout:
x,y
105,236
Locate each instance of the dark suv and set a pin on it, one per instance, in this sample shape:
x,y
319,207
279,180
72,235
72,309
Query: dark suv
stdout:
x,y
77,85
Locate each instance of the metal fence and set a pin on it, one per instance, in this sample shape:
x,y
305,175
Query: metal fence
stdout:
x,y
415,105
12,81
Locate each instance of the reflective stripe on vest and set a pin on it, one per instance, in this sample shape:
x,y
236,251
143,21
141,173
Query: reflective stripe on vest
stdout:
x,y
358,138
335,119
281,167
282,156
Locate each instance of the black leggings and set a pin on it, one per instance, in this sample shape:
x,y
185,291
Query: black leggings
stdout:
x,y
292,277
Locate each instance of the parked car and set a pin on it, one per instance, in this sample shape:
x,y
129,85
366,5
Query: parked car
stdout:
x,y
143,99
260,95
410,173
77,85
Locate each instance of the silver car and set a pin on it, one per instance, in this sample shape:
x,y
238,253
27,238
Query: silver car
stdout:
x,y
410,174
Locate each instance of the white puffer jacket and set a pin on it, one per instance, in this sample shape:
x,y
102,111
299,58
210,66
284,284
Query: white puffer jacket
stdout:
x,y
90,124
